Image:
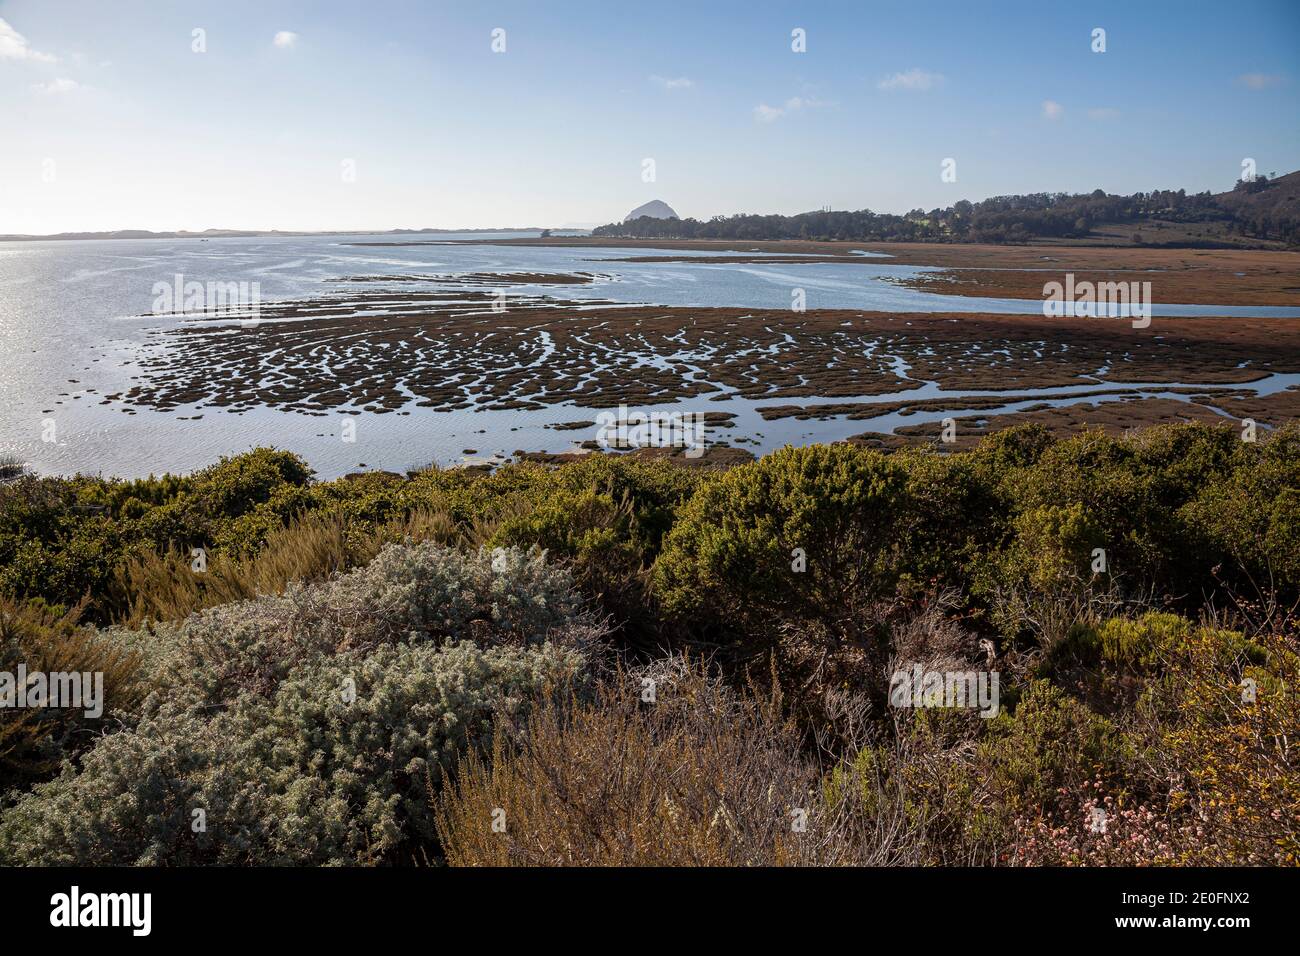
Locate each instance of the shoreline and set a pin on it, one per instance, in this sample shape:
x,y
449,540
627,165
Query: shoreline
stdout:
x,y
1201,276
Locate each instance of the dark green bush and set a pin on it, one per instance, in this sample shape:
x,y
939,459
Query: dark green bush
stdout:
x,y
1248,520
803,535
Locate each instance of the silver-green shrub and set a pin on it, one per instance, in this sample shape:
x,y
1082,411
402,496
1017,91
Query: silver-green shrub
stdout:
x,y
312,728
409,593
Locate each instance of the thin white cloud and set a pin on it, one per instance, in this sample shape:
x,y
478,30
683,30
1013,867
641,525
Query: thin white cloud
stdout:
x,y
1102,113
57,85
672,83
769,114
1052,110
913,79
13,46
1259,81
286,39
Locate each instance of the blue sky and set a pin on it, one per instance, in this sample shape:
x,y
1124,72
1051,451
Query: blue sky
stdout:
x,y
110,119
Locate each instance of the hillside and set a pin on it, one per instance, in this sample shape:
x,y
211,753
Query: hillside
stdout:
x,y
1261,214
655,209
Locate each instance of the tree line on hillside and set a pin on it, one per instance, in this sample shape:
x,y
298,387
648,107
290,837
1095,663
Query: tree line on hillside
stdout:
x,y
1246,212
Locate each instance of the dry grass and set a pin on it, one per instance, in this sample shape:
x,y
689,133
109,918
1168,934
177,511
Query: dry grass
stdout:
x,y
34,741
165,587
699,777
1051,613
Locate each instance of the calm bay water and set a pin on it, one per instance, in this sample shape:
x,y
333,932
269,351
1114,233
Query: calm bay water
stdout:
x,y
74,317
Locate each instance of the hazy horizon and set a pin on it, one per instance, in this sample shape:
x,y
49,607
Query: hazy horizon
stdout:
x,y
400,116
524,227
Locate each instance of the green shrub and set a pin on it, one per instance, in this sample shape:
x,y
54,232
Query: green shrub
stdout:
x,y
1249,519
955,516
1054,547
1048,744
1143,641
733,558
1093,488
230,489
62,539
965,781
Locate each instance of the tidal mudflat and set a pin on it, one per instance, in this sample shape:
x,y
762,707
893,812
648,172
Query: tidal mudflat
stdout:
x,y
395,351
476,352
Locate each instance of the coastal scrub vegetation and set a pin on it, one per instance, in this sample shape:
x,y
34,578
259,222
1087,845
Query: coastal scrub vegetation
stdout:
x,y
621,661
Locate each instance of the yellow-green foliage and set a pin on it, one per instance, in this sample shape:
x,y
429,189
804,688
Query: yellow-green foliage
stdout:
x,y
1054,545
1221,723
1156,639
1141,641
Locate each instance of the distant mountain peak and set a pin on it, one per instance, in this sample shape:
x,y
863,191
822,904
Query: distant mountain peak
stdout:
x,y
655,209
